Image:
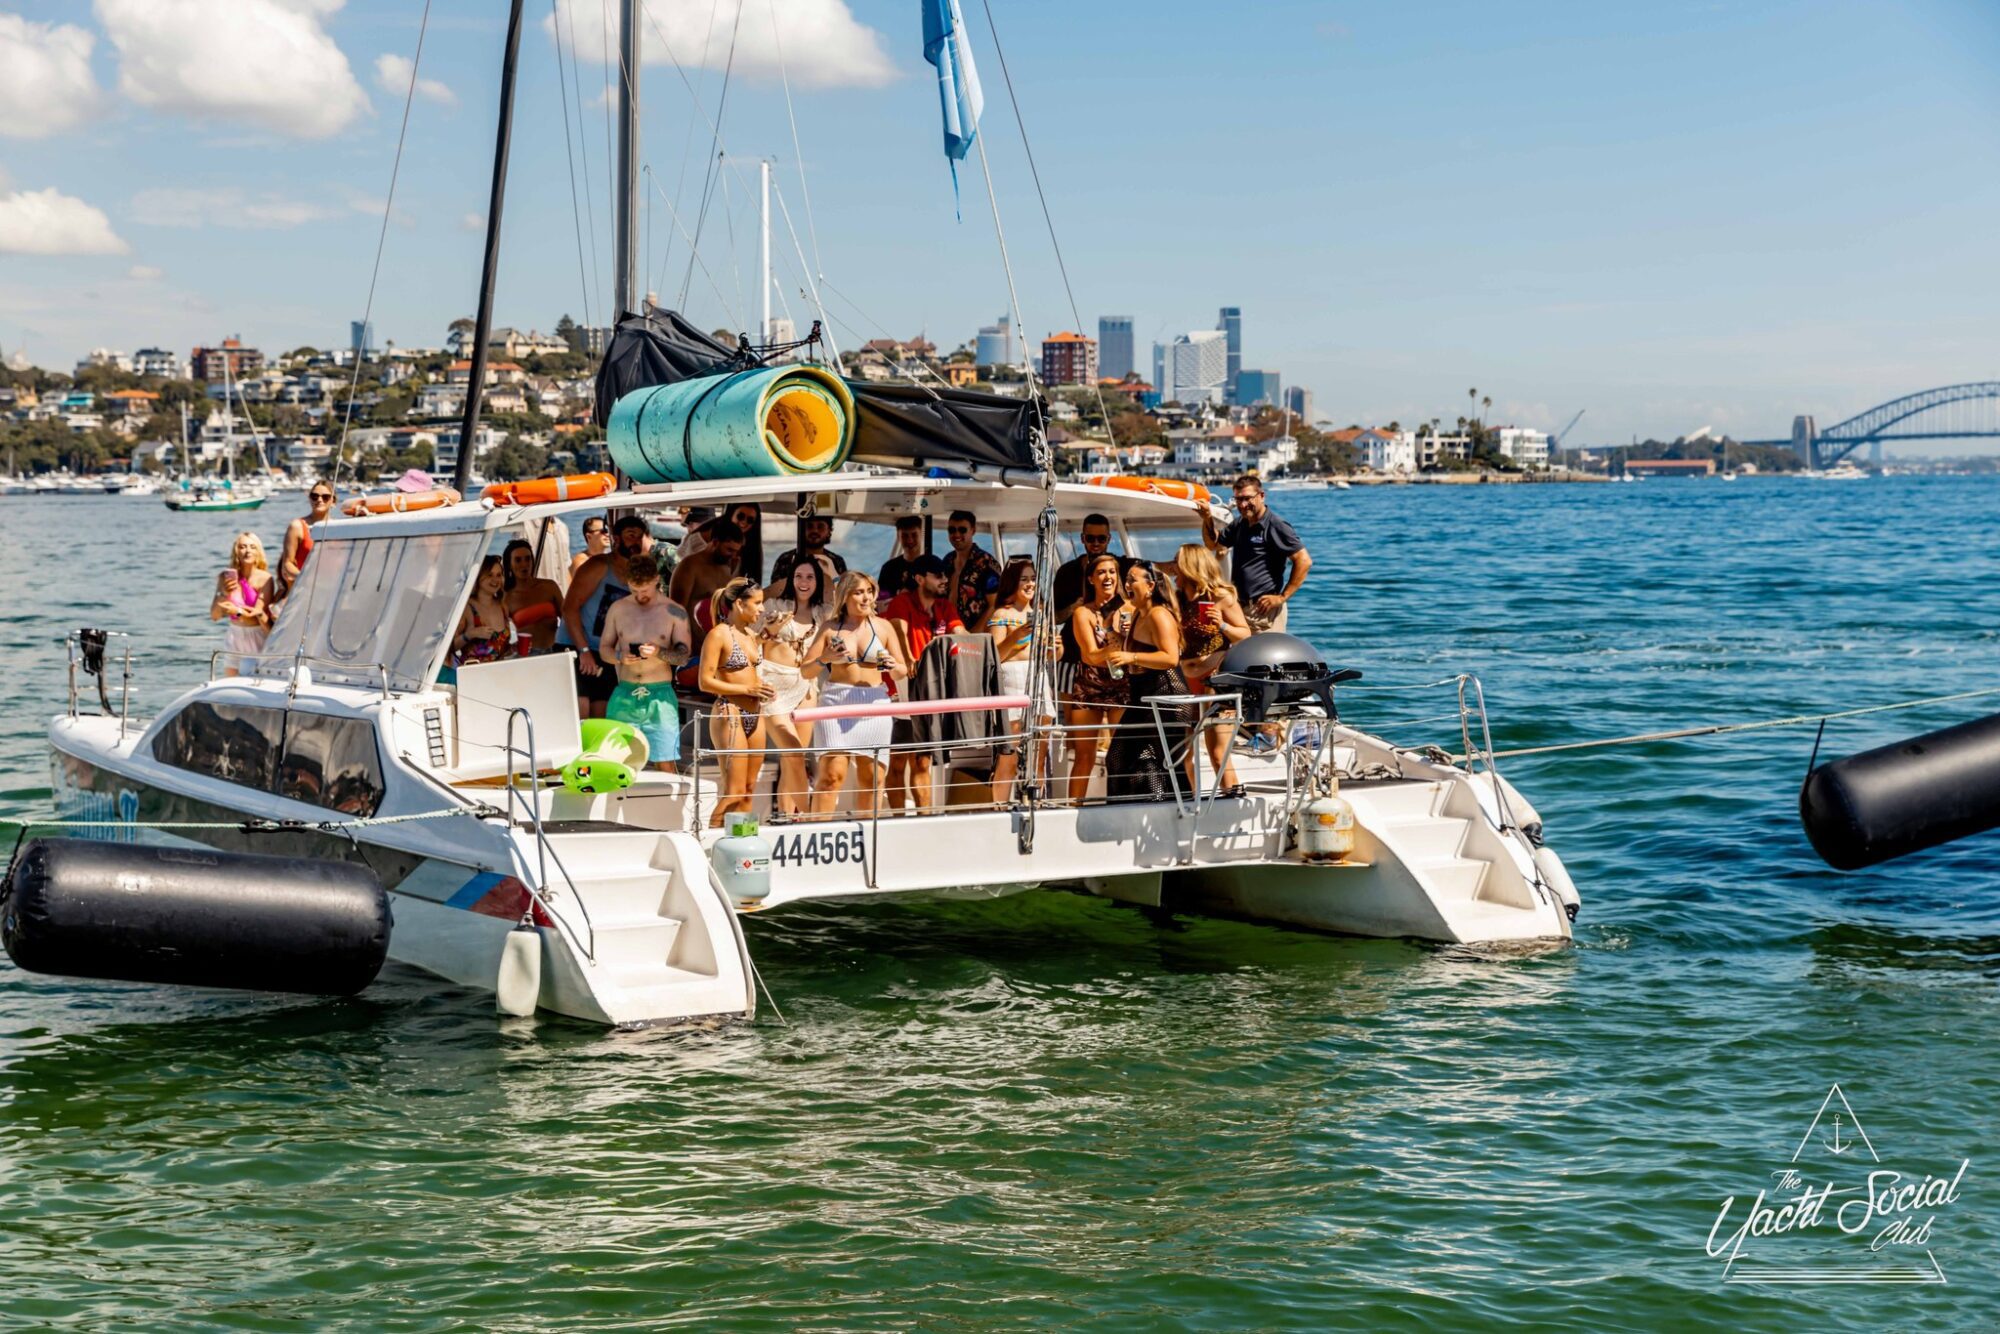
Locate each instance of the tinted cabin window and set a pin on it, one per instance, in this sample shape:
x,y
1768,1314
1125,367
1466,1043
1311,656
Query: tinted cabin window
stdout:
x,y
234,742
330,762
308,757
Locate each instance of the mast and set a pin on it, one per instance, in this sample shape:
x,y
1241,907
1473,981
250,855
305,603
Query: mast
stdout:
x,y
625,277
483,324
764,253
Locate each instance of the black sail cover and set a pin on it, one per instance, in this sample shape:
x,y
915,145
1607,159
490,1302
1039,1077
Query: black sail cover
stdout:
x,y
907,425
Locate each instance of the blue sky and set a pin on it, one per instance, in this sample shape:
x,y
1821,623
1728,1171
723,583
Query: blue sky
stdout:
x,y
1672,215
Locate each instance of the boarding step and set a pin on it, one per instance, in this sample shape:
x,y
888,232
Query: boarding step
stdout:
x,y
1431,836
1393,801
1485,921
1449,877
637,893
628,943
607,851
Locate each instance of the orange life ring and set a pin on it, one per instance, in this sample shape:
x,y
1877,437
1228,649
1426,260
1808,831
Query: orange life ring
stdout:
x,y
400,502
542,490
1155,486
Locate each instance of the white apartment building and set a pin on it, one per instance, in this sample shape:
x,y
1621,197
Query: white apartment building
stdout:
x,y
104,356
1528,448
159,361
1388,451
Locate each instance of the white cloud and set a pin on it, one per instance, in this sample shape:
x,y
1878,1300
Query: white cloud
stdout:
x,y
265,62
392,76
46,222
226,207
45,80
821,43
472,222
145,273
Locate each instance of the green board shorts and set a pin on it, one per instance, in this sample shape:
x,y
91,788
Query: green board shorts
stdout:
x,y
654,711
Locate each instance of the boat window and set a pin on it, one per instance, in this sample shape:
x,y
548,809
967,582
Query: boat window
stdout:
x,y
330,762
234,742
390,601
1159,545
310,757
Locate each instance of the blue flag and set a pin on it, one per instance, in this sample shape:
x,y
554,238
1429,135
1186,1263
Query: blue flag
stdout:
x,y
947,46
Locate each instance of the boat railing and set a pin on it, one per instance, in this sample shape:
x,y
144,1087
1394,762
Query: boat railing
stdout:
x,y
1475,732
529,804
263,662
1192,717
88,653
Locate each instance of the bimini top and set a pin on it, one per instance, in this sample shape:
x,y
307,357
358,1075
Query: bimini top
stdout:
x,y
860,496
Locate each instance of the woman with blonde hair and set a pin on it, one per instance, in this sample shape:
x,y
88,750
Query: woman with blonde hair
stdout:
x,y
1211,620
243,597
729,659
858,649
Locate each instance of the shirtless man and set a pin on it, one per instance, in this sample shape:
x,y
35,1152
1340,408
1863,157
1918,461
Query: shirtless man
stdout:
x,y
697,577
647,637
598,585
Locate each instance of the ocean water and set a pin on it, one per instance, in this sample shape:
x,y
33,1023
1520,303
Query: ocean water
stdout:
x,y
1050,1110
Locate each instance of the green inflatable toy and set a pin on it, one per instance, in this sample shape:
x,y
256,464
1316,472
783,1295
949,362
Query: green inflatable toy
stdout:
x,y
613,753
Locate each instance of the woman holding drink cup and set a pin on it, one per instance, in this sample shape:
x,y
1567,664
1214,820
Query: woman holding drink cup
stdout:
x,y
486,631
858,648
1211,620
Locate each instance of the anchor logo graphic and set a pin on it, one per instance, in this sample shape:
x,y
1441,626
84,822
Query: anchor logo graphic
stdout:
x,y
1834,1145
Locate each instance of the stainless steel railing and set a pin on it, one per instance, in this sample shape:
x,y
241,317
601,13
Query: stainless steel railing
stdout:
x,y
545,852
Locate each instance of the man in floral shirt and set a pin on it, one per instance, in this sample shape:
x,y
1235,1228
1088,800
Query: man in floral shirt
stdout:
x,y
975,575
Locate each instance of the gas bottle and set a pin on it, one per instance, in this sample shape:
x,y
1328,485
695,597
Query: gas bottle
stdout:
x,y
1326,829
742,861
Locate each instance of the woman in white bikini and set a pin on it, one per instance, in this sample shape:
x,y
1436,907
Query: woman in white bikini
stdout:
x,y
1010,622
792,619
729,658
857,647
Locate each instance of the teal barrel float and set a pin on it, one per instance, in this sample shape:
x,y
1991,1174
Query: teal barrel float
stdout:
x,y
775,421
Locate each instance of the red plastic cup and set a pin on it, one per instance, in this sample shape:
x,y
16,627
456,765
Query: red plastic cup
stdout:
x,y
1204,612
524,644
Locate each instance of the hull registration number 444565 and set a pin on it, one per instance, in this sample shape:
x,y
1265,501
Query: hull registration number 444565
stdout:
x,y
819,847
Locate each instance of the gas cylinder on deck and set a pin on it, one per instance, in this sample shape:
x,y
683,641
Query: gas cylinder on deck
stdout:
x,y
1325,825
742,861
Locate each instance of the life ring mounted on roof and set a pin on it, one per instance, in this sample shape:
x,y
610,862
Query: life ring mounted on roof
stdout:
x,y
400,502
1154,486
543,490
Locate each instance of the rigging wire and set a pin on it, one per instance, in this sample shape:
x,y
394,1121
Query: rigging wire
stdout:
x,y
610,153
381,241
1718,729
798,159
569,152
812,286
583,150
1048,218
715,145
713,286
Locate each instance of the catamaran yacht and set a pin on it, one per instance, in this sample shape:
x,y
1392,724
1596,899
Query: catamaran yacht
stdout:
x,y
343,741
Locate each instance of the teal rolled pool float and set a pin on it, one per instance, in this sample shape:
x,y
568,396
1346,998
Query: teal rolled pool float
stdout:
x,y
775,421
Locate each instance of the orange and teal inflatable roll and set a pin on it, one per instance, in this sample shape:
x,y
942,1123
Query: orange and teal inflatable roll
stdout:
x,y
774,421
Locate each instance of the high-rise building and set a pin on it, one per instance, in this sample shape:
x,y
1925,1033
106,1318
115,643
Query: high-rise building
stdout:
x,y
1300,400
1231,325
1114,347
1193,368
1069,358
361,337
1258,388
995,346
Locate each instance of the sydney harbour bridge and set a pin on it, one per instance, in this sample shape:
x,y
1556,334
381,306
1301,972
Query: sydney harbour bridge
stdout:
x,y
1949,412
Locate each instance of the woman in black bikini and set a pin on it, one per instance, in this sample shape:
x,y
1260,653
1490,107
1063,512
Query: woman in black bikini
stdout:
x,y
1097,698
1137,765
729,658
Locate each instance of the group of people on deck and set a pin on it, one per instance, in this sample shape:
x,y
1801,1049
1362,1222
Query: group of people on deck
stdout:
x,y
650,627
248,592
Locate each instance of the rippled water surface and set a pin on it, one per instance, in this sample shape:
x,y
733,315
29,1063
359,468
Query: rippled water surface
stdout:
x,y
1050,1109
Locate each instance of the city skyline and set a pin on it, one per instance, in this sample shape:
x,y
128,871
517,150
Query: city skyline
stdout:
x,y
1623,212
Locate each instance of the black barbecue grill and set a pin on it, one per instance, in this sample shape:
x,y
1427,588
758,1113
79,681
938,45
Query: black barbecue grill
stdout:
x,y
1273,670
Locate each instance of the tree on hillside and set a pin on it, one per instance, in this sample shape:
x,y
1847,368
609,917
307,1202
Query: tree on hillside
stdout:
x,y
459,337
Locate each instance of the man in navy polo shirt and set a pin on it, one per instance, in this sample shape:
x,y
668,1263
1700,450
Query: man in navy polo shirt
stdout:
x,y
1267,561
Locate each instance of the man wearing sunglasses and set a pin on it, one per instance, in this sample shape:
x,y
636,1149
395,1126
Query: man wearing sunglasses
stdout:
x,y
298,533
975,575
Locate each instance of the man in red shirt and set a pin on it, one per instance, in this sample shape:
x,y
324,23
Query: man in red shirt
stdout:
x,y
920,614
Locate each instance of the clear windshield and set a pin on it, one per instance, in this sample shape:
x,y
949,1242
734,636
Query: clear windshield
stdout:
x,y
381,602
